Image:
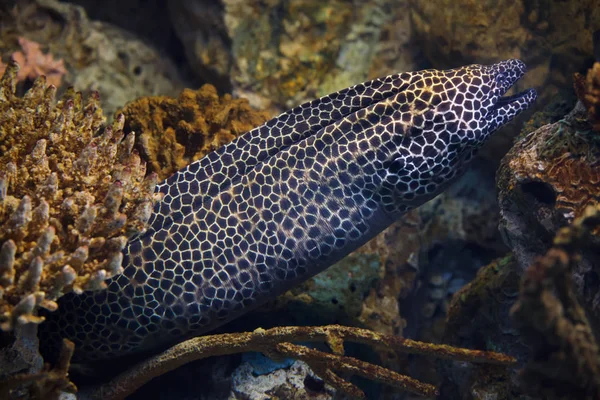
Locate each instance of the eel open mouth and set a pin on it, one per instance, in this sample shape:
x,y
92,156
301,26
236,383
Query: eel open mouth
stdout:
x,y
505,100
507,73
515,103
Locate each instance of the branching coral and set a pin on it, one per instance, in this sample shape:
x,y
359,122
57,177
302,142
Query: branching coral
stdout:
x,y
35,63
566,360
175,132
277,342
70,195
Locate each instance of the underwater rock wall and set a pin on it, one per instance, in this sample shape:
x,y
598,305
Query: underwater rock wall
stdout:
x,y
97,55
281,53
532,303
554,38
546,181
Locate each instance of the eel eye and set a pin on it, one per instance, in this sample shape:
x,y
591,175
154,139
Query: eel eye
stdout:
x,y
500,78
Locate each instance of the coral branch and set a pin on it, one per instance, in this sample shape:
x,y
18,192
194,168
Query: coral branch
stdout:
x,y
70,196
277,342
352,366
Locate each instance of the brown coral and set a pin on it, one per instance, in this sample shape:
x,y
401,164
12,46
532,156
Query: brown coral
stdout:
x,y
70,194
35,63
175,132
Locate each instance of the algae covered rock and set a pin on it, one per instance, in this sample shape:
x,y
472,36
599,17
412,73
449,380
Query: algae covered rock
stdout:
x,y
71,192
532,304
546,181
97,55
297,382
281,53
554,38
479,317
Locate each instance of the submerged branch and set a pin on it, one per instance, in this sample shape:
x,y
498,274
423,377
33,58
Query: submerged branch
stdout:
x,y
277,342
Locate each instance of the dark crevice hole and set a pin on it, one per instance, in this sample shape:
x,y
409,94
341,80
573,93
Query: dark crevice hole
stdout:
x,y
540,191
314,385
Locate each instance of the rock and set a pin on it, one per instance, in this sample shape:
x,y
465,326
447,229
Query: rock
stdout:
x,y
460,32
98,56
479,318
279,54
297,382
546,181
21,354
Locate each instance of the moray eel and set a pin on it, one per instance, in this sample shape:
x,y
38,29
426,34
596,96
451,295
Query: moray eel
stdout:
x,y
285,201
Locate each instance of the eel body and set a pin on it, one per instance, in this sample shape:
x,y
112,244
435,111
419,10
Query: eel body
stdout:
x,y
285,201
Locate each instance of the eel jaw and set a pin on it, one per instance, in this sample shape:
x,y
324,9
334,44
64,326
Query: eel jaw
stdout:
x,y
508,107
507,100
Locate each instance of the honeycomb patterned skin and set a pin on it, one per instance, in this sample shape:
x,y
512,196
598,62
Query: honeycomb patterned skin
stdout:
x,y
285,201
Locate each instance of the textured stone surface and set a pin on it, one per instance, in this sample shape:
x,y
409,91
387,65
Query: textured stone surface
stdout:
x,y
297,382
280,53
554,38
545,181
98,56
19,352
478,317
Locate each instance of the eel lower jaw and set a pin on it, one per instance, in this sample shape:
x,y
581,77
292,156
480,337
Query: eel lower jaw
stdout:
x,y
517,102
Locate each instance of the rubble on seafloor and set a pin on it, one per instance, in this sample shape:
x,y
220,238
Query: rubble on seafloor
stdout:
x,y
173,132
71,193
